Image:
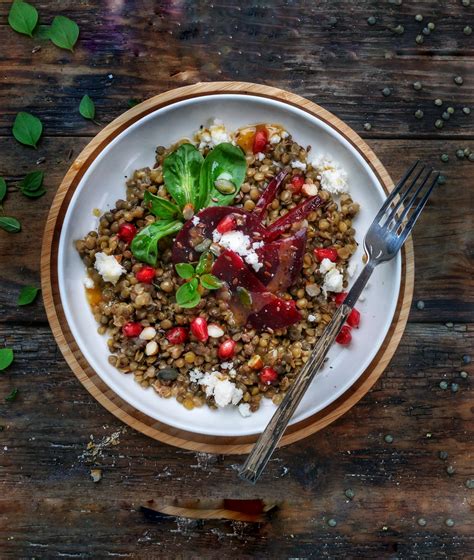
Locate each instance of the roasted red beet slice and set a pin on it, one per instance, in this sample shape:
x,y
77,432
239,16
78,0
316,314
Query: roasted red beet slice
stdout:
x,y
269,194
298,213
282,261
277,314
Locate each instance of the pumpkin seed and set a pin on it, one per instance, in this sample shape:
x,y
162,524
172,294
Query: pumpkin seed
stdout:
x,y
168,374
224,186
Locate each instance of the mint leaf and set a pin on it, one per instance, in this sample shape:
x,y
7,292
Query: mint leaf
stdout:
x,y
27,295
185,270
6,357
211,282
23,17
12,225
87,108
64,32
187,295
27,129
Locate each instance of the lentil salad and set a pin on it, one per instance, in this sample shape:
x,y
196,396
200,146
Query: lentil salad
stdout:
x,y
221,302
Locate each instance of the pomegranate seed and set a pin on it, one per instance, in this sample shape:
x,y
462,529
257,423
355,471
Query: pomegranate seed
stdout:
x,y
226,224
260,140
344,337
127,232
132,330
340,298
268,376
177,335
226,349
328,253
145,274
199,329
354,319
297,183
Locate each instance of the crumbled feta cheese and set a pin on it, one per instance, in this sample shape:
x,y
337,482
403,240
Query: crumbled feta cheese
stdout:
x,y
233,372
195,221
333,281
195,375
333,178
214,135
284,134
352,268
224,391
241,244
326,265
226,365
108,267
311,318
244,410
260,156
298,165
275,138
88,283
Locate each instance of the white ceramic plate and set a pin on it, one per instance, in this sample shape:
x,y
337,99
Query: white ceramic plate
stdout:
x,y
104,183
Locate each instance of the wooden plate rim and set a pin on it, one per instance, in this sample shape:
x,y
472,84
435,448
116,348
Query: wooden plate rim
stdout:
x,y
90,379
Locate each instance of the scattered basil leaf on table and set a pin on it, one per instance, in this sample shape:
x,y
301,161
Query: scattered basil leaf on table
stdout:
x,y
27,295
64,32
181,173
161,207
145,244
3,188
187,295
185,270
32,185
210,282
206,260
6,357
222,174
87,108
12,225
12,396
27,129
23,17
132,102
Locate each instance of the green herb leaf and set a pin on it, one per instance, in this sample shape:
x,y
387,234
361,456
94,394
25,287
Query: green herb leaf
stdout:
x,y
185,270
27,129
181,173
27,295
23,17
211,282
145,244
87,108
161,207
187,295
12,396
206,260
244,296
132,102
32,185
64,32
3,188
12,225
224,165
6,358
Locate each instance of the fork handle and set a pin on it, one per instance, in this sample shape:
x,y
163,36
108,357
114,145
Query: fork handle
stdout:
x,y
268,440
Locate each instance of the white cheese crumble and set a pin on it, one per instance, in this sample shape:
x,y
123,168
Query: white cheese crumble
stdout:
x,y
311,318
260,156
195,221
241,244
333,278
333,178
224,391
275,138
326,265
108,267
352,268
195,375
284,134
244,410
88,283
298,165
215,134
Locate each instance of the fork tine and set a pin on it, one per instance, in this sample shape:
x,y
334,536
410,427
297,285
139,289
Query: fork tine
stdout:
x,y
416,213
395,192
411,202
404,196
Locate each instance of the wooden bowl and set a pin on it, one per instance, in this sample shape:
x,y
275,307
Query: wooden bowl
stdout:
x,y
91,380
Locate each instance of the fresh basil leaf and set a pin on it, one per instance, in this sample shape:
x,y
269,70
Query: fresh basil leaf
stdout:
x,y
27,129
32,185
12,225
145,244
132,102
3,188
6,357
12,396
64,32
225,166
181,173
206,260
211,282
27,295
161,207
187,295
23,17
185,270
87,108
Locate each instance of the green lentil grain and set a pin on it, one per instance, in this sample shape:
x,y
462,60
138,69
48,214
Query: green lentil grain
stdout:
x,y
419,114
439,123
388,438
466,110
386,91
399,29
460,154
438,102
431,26
419,17
450,470
419,39
449,522
367,126
371,20
445,116
441,180
467,152
450,110
443,385
443,455
464,374
417,86
458,80
420,304
349,493
332,522
421,521
454,387
469,483
467,30
444,158
471,157
426,31
466,3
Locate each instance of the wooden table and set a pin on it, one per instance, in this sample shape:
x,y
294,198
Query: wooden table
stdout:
x,y
326,51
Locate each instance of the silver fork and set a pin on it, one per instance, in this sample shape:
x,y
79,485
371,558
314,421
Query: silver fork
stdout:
x,y
383,240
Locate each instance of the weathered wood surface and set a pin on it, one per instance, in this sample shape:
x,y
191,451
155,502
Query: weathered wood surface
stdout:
x,y
325,51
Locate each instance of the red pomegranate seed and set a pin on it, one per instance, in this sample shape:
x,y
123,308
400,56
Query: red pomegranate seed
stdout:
x,y
344,337
340,298
132,330
268,376
177,335
226,349
226,224
328,253
297,183
354,319
127,232
199,329
145,274
260,140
